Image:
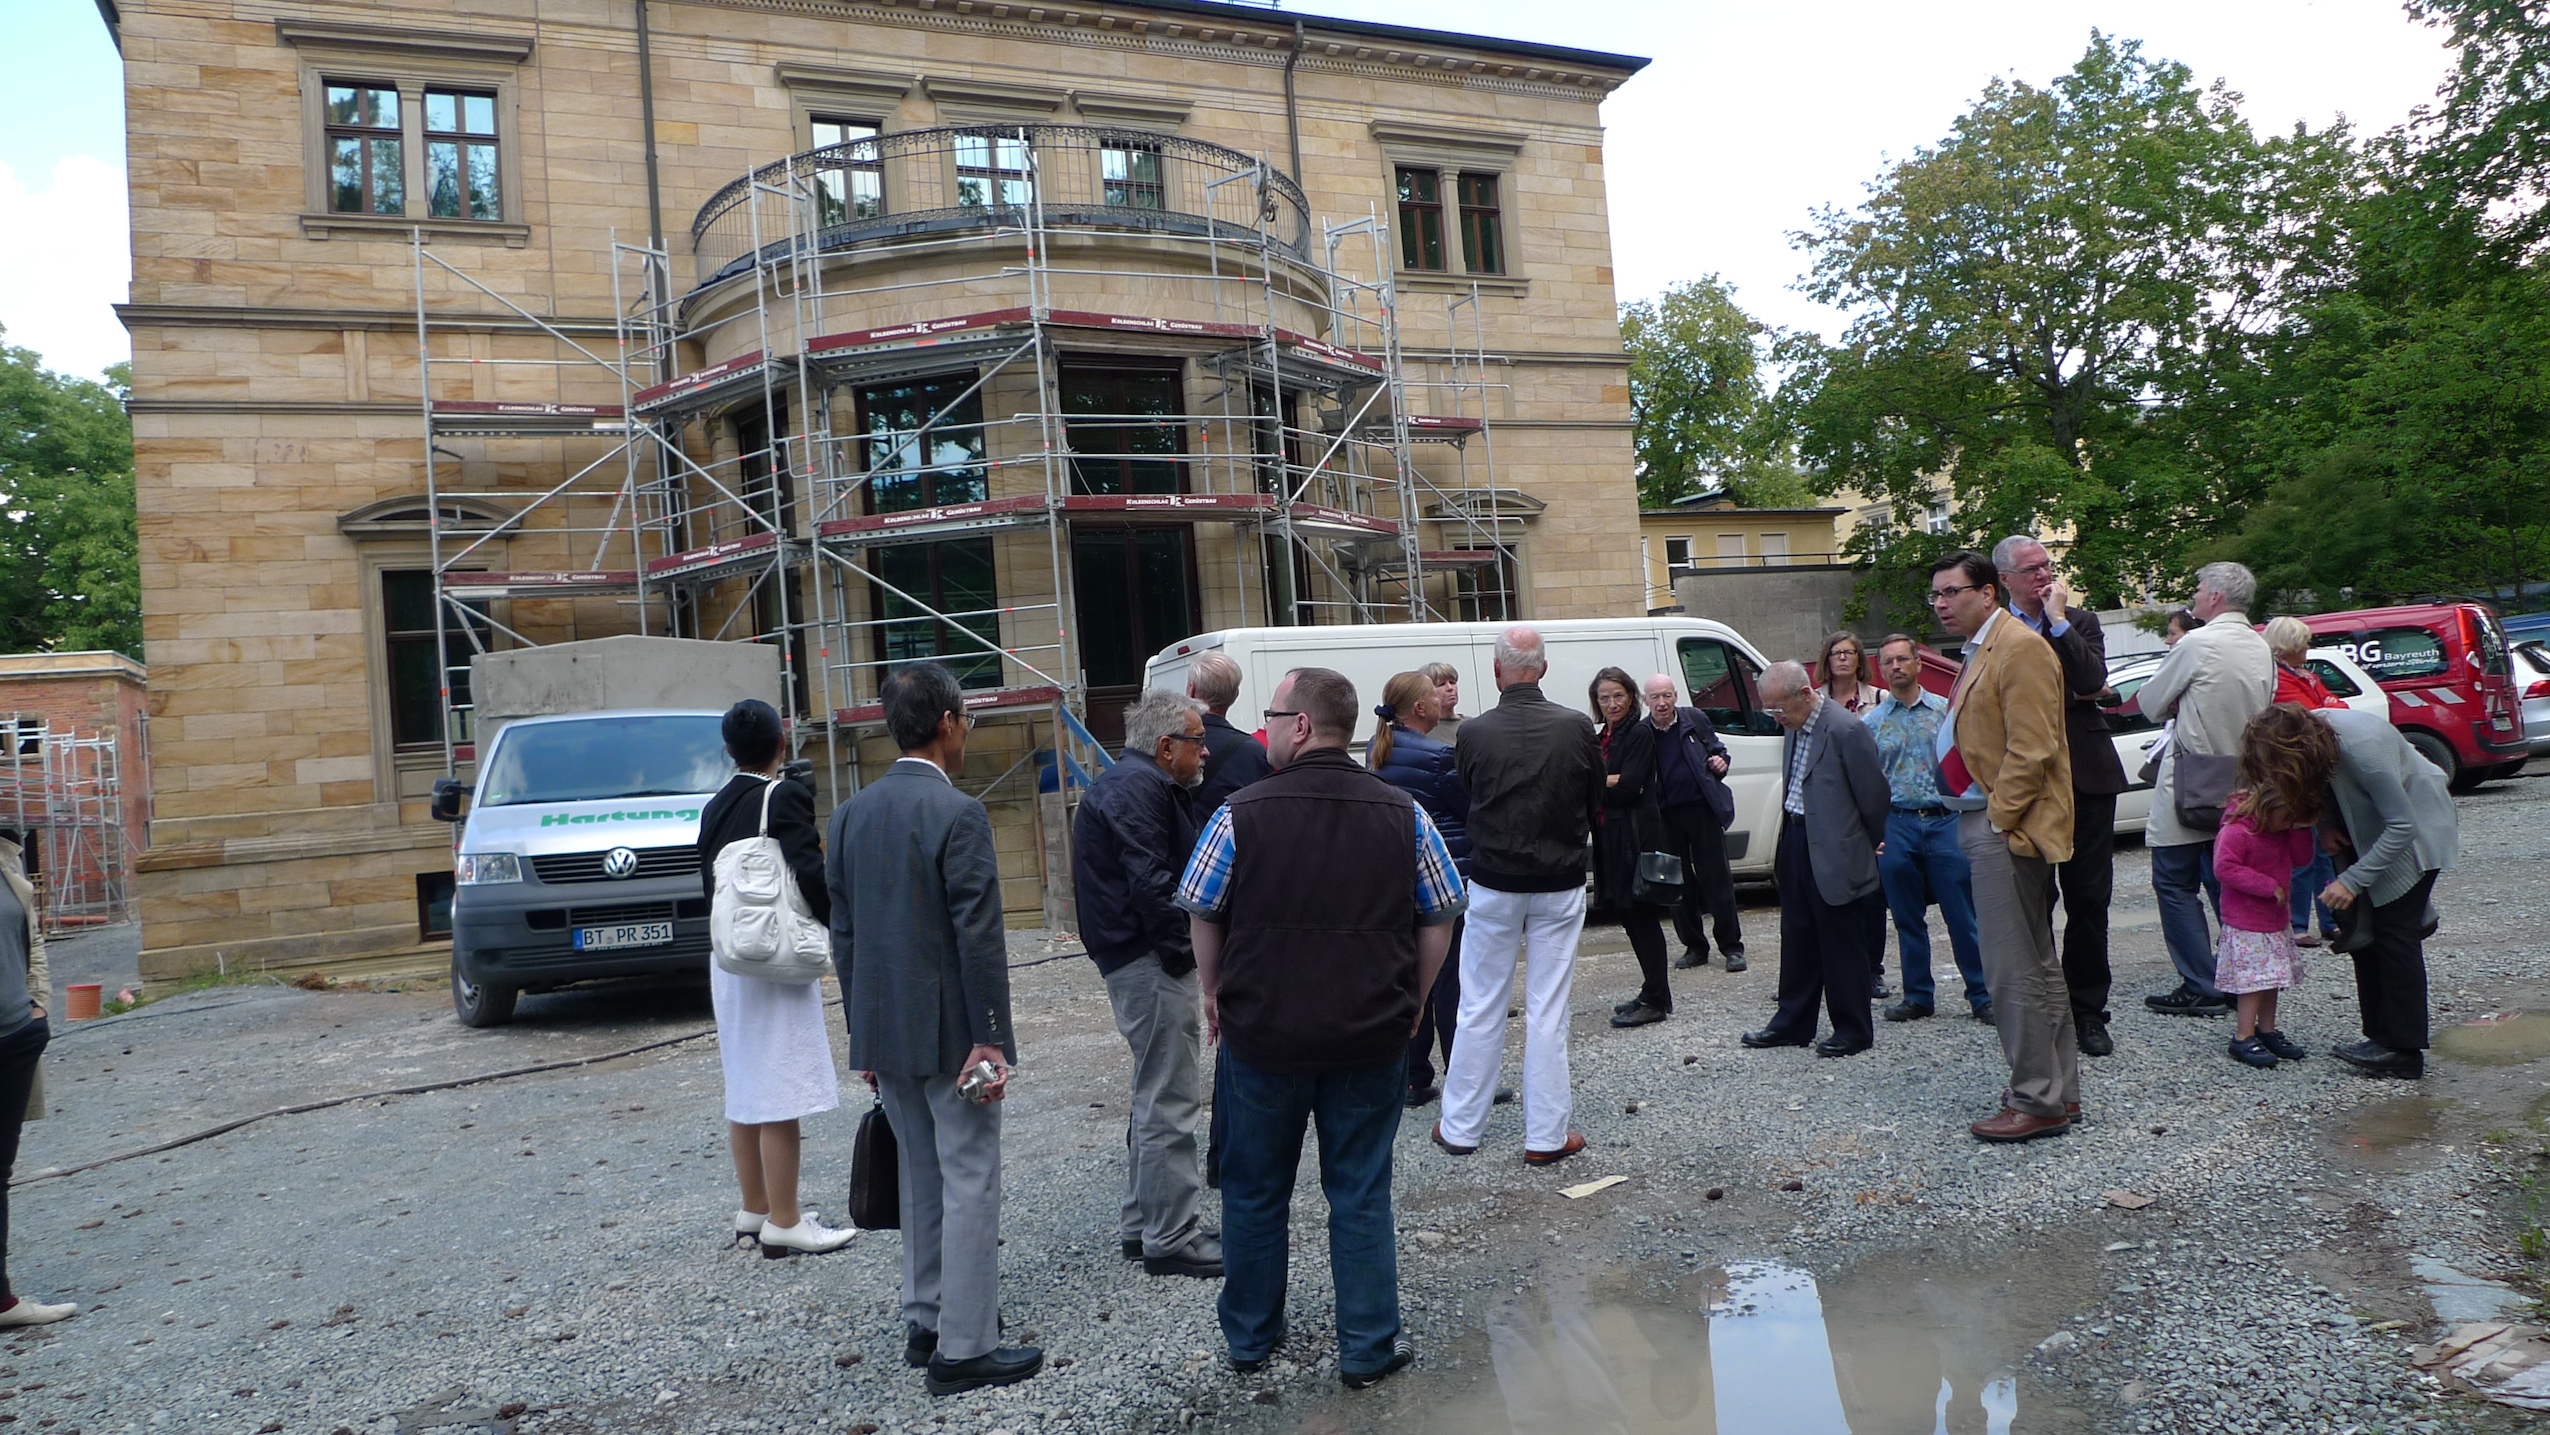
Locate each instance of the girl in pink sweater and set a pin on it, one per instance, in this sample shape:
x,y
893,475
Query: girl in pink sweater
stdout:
x,y
2286,758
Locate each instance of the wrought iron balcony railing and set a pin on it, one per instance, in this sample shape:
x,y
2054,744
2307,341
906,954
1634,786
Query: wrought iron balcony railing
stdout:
x,y
944,181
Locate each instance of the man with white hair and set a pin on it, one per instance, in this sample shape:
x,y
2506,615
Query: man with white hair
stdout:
x,y
1128,847
1534,772
2087,879
2215,680
1833,799
1232,759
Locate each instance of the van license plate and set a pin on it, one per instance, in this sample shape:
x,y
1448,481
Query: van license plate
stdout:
x,y
626,934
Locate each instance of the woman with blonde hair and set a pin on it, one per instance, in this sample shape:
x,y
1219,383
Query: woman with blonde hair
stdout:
x,y
1842,671
1405,754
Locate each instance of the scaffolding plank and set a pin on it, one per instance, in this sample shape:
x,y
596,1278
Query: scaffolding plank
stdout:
x,y
985,700
478,586
479,418
706,388
825,348
912,523
1340,523
718,560
1198,507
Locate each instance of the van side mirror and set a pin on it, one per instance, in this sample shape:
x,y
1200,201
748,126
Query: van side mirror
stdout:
x,y
447,796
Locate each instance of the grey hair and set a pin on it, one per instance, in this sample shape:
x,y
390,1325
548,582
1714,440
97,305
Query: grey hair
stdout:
x,y
1782,680
2289,636
1520,652
1213,679
2007,549
1155,715
2237,585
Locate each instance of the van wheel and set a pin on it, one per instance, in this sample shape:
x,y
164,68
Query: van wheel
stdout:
x,y
481,1005
2439,752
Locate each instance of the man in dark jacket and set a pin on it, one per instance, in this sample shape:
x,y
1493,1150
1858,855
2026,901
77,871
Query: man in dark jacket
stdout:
x,y
1691,769
1534,772
1323,901
2087,880
1232,758
1128,846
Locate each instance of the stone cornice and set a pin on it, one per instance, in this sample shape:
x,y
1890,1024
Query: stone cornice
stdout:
x,y
469,43
236,316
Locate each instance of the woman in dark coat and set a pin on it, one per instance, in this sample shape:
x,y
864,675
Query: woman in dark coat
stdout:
x,y
1630,823
772,1044
1404,755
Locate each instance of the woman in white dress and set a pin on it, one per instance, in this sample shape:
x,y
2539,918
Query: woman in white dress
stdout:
x,y
770,1035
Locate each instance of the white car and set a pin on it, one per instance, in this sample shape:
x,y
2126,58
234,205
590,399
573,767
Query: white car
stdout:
x,y
2134,734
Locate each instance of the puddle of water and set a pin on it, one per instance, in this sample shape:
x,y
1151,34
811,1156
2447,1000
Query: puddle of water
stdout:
x,y
2389,1126
1758,1348
2508,1039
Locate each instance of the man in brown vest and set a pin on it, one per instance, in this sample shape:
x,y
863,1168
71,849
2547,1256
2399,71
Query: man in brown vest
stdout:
x,y
1322,902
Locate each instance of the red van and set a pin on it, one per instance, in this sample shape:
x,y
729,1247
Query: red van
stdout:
x,y
2450,679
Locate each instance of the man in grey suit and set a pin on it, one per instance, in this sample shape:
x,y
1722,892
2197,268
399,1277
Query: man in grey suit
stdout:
x,y
916,933
1832,910
2396,818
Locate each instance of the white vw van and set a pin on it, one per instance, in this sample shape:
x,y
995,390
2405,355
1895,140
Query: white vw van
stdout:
x,y
579,857
1714,666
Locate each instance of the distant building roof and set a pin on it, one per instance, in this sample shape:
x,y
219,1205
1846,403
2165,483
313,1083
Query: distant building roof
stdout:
x,y
71,665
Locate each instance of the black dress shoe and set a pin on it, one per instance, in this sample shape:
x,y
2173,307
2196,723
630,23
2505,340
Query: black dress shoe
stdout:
x,y
1200,1258
1878,991
1691,957
1639,1014
1006,1366
1735,960
1622,1008
1904,1011
2380,1060
1504,1097
1132,1247
1835,1046
1767,1038
2187,1001
920,1342
1984,1014
1420,1095
2094,1038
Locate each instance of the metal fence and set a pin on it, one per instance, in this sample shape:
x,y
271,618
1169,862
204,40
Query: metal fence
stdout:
x,y
918,183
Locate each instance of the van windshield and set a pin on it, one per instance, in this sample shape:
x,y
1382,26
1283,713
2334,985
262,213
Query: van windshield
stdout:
x,y
598,759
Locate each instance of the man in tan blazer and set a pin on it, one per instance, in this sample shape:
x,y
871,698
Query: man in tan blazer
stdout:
x,y
2008,769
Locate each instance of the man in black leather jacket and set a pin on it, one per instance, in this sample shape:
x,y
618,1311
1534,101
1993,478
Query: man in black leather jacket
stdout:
x,y
1691,768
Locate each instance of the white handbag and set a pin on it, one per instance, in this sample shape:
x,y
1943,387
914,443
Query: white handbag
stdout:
x,y
758,923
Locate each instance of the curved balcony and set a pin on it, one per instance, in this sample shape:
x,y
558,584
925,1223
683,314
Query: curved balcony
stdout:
x,y
937,182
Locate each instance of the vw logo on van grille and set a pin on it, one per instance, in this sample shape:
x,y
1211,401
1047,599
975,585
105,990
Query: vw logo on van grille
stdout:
x,y
620,862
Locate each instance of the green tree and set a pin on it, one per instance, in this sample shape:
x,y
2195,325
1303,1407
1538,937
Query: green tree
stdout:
x,y
1697,393
70,573
2488,142
2053,312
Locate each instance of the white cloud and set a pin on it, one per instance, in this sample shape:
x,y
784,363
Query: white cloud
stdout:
x,y
66,257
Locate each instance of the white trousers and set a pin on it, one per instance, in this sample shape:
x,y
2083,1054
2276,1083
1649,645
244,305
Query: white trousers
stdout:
x,y
1540,929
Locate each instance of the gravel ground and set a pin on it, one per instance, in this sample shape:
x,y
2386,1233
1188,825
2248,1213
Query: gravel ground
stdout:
x,y
542,1253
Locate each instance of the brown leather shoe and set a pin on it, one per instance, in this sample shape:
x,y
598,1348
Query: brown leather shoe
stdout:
x,y
2013,1124
1448,1148
1575,1143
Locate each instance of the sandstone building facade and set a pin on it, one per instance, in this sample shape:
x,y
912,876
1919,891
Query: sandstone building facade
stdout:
x,y
1030,337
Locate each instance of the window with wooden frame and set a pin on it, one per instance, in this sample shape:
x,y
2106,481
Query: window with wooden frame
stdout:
x,y
991,170
923,443
849,182
1127,427
1482,225
957,612
461,156
1129,173
367,149
1421,219
416,674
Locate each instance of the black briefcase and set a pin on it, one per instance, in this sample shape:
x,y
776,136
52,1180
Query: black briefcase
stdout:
x,y
876,1190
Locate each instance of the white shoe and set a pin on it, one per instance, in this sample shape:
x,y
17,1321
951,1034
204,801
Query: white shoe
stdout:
x,y
27,1312
810,1236
748,1227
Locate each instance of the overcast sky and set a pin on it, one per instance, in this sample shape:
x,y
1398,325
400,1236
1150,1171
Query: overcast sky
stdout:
x,y
1751,116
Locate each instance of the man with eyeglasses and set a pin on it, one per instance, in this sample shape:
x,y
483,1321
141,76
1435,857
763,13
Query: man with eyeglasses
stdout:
x,y
2006,770
2088,879
1129,845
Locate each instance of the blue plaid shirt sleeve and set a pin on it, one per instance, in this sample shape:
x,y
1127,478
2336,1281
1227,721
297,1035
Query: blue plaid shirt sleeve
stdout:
x,y
1205,890
1440,895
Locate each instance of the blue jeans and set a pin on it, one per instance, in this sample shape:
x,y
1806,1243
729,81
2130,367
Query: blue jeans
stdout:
x,y
1358,1118
2179,874
2309,881
1923,864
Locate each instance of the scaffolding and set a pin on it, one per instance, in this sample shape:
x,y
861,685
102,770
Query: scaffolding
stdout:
x,y
65,791
734,502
